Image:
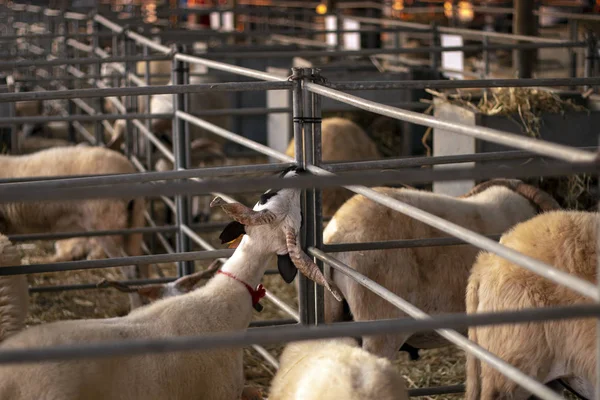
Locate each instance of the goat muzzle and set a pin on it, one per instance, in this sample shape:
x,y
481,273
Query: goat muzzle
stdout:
x,y
307,266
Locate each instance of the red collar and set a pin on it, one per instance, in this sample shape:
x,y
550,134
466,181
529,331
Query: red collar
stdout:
x,y
256,294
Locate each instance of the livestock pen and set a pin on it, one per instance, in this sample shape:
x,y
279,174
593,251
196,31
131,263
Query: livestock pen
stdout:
x,y
308,88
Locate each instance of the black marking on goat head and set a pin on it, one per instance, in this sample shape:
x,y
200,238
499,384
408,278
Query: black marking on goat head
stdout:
x,y
293,168
286,268
266,196
232,231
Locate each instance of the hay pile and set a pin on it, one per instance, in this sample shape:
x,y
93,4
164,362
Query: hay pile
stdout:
x,y
525,107
525,103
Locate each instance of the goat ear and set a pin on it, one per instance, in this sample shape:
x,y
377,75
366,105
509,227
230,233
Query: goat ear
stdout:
x,y
235,243
152,292
232,231
286,268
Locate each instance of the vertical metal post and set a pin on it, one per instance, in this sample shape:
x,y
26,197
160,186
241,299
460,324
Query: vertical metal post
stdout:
x,y
309,194
524,23
128,99
133,100
573,32
297,119
597,391
590,56
338,27
435,57
370,36
318,199
14,129
115,52
97,70
180,151
187,214
486,57
72,109
148,147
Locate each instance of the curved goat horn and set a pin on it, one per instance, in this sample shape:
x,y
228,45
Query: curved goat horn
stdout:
x,y
542,200
306,266
243,214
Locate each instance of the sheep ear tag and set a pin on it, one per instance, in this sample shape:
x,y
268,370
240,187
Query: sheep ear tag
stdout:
x,y
232,234
286,268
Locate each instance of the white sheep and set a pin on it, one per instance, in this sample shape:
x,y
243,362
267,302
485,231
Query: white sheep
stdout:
x,y
14,292
335,369
341,140
432,278
546,350
223,304
87,215
156,291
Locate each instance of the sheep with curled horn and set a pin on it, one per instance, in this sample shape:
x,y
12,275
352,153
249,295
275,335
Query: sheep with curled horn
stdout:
x,y
432,278
223,304
551,350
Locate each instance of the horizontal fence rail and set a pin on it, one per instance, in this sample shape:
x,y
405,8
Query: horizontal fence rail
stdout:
x,y
286,334
32,192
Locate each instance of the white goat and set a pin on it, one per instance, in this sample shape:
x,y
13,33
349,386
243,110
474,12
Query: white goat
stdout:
x,y
332,370
224,304
65,216
432,278
342,140
546,350
14,292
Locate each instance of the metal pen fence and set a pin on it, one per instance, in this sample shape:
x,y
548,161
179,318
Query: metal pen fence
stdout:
x,y
307,88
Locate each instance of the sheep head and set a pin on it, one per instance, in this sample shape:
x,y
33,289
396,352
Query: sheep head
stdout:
x,y
153,292
275,220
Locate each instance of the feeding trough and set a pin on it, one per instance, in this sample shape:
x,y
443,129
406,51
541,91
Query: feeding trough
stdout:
x,y
564,118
